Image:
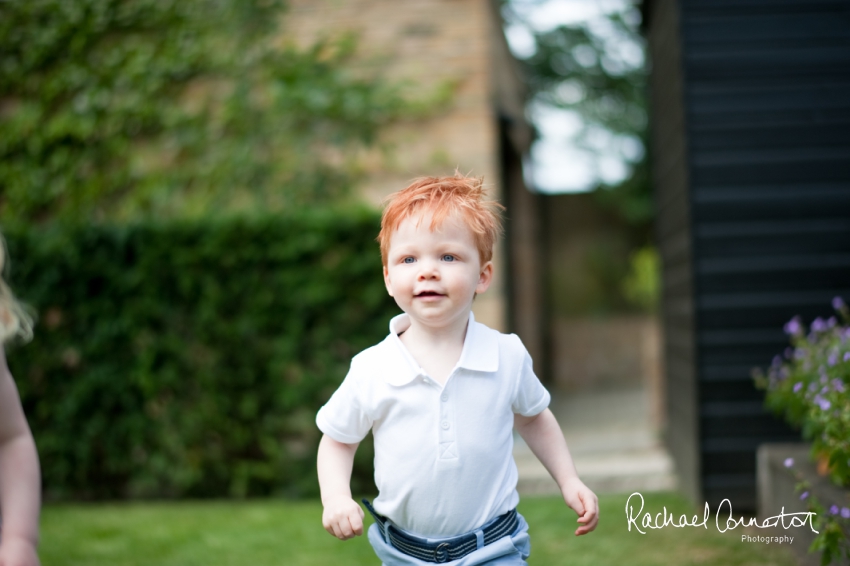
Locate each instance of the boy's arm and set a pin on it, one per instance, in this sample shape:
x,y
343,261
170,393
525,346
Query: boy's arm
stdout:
x,y
342,516
20,478
543,435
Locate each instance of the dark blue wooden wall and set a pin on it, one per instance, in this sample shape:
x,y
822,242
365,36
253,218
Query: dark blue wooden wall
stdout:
x,y
751,164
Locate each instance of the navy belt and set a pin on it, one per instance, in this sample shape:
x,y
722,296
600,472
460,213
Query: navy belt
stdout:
x,y
448,549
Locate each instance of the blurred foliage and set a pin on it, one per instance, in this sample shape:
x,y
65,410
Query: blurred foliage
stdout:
x,y
589,282
117,109
632,201
597,266
642,286
189,359
578,68
604,277
596,68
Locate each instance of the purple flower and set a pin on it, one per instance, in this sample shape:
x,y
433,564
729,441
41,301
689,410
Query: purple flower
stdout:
x,y
832,359
824,404
846,356
798,386
833,510
793,326
789,353
789,462
845,512
804,495
818,325
838,385
838,303
831,322
777,361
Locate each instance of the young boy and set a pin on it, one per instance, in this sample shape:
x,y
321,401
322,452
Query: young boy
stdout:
x,y
441,395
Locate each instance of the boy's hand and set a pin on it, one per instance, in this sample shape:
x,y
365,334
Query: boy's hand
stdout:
x,y
583,501
342,517
18,552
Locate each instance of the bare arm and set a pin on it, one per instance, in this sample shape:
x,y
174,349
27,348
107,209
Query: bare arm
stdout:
x,y
20,478
543,435
342,516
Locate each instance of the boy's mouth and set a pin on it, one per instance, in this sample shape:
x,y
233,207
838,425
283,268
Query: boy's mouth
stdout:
x,y
429,294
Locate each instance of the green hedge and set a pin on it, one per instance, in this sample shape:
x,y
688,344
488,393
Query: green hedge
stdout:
x,y
189,360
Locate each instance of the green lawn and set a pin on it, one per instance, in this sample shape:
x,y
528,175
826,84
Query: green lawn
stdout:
x,y
286,533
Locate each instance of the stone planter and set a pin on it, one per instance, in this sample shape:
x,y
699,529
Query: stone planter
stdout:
x,y
776,489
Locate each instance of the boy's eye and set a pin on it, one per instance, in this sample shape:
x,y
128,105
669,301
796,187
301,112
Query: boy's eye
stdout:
x,y
407,260
448,257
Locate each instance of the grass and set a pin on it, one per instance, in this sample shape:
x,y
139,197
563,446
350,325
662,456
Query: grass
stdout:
x,y
279,532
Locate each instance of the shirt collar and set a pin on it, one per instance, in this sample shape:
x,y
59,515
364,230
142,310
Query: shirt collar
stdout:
x,y
480,351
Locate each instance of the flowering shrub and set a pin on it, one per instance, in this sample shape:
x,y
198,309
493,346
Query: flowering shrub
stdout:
x,y
810,386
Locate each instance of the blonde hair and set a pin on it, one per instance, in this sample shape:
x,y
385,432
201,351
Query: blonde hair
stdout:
x,y
445,196
14,318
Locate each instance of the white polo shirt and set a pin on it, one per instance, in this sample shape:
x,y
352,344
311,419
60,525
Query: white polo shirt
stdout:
x,y
443,454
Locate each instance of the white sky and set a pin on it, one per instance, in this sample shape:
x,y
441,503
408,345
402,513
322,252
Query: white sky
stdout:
x,y
556,163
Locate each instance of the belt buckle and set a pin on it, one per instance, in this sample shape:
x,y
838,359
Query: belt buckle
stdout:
x,y
441,553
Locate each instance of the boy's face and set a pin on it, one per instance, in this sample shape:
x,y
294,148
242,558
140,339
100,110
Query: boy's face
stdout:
x,y
433,275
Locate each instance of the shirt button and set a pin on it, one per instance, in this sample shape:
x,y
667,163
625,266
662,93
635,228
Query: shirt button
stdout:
x,y
445,425
444,397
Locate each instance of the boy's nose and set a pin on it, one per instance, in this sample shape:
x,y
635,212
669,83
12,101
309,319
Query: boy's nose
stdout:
x,y
428,270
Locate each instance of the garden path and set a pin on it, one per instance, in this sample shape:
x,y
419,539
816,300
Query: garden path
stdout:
x,y
613,442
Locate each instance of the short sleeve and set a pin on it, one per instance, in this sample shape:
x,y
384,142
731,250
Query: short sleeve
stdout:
x,y
531,397
342,417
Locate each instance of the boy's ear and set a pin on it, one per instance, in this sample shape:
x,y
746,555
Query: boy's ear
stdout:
x,y
387,281
485,277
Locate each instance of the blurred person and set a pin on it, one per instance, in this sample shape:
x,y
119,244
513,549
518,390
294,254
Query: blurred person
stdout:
x,y
20,477
441,395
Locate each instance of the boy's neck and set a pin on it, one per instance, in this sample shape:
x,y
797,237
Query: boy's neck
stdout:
x,y
436,349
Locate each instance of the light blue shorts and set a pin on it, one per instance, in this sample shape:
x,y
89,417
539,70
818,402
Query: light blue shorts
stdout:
x,y
508,550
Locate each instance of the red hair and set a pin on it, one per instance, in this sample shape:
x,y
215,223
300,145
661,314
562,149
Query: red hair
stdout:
x,y
444,197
